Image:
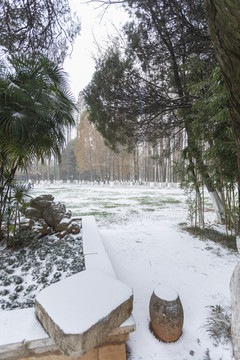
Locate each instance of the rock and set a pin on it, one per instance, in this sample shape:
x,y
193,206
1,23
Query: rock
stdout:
x,y
62,234
166,314
76,218
73,228
81,311
63,224
235,304
53,214
46,216
39,227
43,207
47,197
24,225
31,213
68,214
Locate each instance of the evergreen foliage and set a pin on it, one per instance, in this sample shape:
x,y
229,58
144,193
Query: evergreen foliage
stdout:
x,y
133,88
223,19
143,93
218,324
38,26
165,81
35,107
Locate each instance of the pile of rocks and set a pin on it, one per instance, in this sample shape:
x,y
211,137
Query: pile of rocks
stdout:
x,y
47,217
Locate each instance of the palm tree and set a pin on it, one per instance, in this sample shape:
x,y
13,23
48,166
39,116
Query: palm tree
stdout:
x,y
35,108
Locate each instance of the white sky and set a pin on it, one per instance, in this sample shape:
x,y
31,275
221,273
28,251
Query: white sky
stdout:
x,y
95,29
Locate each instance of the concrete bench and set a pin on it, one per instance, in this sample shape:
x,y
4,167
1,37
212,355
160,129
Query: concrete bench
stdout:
x,y
28,338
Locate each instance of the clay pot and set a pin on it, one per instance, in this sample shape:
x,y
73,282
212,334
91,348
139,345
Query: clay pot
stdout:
x,y
166,314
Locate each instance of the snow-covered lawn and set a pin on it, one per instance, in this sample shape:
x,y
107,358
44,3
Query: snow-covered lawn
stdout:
x,y
141,232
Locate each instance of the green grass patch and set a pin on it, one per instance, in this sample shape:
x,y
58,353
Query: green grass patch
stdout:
x,y
148,209
75,206
149,202
171,201
177,194
111,199
228,242
208,203
91,199
153,201
133,212
96,213
134,198
158,202
110,206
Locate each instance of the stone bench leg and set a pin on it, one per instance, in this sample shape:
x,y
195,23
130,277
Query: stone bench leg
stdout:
x,y
114,350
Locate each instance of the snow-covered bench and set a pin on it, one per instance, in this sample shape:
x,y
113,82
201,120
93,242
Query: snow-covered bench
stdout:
x,y
23,337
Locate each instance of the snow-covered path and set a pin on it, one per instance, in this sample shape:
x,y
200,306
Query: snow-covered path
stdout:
x,y
146,254
146,246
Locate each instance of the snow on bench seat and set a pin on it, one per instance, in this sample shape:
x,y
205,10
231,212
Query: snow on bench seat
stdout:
x,y
95,253
80,312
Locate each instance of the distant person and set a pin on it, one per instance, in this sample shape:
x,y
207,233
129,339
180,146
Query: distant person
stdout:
x,y
30,184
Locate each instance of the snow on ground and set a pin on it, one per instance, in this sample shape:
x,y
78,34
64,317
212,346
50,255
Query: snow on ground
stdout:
x,y
146,254
26,271
140,230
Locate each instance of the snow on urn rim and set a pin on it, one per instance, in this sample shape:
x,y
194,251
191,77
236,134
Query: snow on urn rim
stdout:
x,y
165,293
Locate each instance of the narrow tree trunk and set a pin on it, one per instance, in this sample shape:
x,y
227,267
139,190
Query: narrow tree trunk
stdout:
x,y
218,203
6,186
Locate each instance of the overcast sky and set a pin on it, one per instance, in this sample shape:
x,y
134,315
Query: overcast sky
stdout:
x,y
95,29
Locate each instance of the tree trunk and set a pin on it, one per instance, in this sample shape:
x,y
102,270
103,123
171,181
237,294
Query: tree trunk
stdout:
x,y
5,189
218,205
235,303
224,23
194,152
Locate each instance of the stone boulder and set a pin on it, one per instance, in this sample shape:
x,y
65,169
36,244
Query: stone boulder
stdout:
x,y
235,304
43,207
81,311
62,234
73,228
63,224
47,216
39,227
50,211
67,226
31,212
166,314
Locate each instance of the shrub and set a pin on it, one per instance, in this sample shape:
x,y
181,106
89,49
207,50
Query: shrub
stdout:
x,y
218,324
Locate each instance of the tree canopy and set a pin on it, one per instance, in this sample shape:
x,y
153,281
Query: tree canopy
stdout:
x,y
35,107
224,23
134,87
38,26
143,88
